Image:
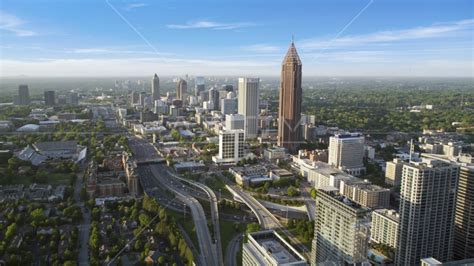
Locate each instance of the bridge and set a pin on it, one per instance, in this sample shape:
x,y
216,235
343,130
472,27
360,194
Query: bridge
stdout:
x,y
265,218
151,161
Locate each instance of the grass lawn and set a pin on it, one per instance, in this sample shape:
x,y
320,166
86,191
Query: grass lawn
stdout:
x,y
59,179
228,231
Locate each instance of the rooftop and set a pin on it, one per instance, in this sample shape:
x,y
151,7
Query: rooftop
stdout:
x,y
390,214
276,247
56,145
334,193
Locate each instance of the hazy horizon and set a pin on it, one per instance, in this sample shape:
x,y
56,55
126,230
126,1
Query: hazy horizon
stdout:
x,y
245,38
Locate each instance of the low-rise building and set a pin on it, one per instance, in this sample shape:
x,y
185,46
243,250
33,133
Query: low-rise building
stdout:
x,y
274,153
269,248
250,175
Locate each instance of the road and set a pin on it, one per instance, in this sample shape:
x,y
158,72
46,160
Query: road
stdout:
x,y
144,151
84,227
309,201
214,212
207,247
266,219
232,249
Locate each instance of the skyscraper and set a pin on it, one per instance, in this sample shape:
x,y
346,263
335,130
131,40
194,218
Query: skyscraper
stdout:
x,y
341,230
181,89
214,98
49,98
229,104
248,104
464,214
346,152
289,112
427,200
464,217
23,95
73,98
199,86
155,88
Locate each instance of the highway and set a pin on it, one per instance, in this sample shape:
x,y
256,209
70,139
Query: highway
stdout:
x,y
207,247
232,249
214,212
143,150
266,219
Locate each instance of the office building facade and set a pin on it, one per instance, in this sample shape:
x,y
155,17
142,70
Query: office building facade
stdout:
x,y
248,105
289,111
231,146
346,152
181,89
23,95
341,232
155,87
49,98
384,228
427,201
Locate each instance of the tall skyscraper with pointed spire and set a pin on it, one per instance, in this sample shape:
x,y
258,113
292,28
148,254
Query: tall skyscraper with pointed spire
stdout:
x,y
155,88
289,112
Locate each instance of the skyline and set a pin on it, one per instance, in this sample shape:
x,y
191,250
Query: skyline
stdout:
x,y
136,38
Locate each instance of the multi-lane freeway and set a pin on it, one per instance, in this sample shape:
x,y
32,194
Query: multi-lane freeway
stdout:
x,y
214,211
207,247
149,174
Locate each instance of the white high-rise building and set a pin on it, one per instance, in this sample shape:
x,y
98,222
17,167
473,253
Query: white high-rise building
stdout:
x,y
427,206
231,147
341,230
346,152
248,105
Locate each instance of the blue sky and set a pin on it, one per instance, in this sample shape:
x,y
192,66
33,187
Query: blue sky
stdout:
x,y
247,37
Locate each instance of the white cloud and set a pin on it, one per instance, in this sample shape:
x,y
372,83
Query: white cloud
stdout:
x,y
130,7
261,48
433,31
101,50
13,24
206,24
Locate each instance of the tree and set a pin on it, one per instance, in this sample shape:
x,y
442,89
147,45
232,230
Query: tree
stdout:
x,y
313,193
292,191
37,215
144,219
253,227
11,230
161,260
